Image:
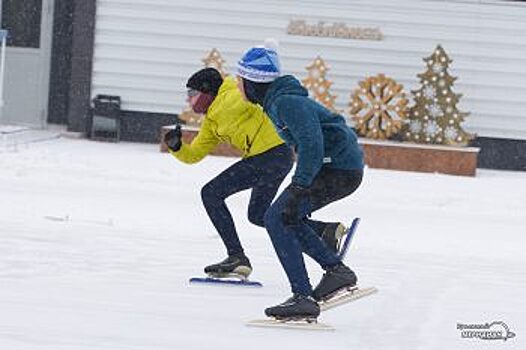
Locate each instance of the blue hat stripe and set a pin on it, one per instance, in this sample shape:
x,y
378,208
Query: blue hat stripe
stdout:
x,y
259,64
275,62
263,61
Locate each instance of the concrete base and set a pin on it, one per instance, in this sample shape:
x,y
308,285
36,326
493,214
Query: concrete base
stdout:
x,y
420,158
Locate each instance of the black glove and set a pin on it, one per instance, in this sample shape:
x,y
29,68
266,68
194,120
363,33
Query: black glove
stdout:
x,y
172,138
290,213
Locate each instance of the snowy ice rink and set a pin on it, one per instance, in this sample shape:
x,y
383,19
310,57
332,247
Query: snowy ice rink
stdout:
x,y
97,242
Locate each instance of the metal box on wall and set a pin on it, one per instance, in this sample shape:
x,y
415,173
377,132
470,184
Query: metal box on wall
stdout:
x,y
105,118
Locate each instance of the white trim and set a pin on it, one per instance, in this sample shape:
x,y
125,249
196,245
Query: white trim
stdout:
x,y
363,141
256,75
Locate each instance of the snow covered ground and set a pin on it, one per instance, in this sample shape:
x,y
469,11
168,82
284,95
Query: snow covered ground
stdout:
x,y
97,242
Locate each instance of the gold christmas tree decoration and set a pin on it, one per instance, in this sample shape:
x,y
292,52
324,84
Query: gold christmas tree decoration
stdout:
x,y
378,107
434,117
317,83
214,60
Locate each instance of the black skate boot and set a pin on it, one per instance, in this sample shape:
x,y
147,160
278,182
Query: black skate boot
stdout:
x,y
336,278
298,307
332,235
233,266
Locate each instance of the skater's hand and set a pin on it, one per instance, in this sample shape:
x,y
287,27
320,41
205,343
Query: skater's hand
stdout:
x,y
290,213
172,138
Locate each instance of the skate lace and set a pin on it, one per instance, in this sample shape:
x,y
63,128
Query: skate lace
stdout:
x,y
293,298
327,274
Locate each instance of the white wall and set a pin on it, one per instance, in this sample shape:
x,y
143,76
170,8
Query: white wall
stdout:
x,y
146,49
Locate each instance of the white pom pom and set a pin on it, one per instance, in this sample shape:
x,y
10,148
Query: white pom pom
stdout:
x,y
271,43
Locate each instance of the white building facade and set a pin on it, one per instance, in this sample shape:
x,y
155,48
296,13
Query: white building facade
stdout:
x,y
146,49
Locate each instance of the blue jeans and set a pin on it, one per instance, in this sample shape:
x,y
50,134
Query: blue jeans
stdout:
x,y
262,173
290,242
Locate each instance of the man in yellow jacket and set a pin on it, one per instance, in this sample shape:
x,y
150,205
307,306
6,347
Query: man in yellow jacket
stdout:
x,y
265,162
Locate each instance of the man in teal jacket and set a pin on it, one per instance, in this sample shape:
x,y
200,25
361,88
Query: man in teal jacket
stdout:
x,y
329,167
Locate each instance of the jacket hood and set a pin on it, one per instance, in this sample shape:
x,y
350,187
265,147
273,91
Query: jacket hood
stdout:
x,y
285,85
227,100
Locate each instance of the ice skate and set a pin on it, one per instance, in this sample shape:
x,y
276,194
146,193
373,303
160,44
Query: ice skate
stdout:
x,y
338,286
233,271
235,266
297,312
296,308
333,234
338,277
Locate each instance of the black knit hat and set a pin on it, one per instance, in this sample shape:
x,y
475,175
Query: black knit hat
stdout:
x,y
207,80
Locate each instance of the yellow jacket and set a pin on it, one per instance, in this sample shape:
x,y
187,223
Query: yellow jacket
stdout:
x,y
231,119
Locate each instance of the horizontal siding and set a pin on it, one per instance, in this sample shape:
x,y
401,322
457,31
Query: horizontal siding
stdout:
x,y
146,49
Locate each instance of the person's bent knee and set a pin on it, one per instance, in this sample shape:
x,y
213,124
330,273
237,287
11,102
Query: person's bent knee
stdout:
x,y
272,218
257,219
209,192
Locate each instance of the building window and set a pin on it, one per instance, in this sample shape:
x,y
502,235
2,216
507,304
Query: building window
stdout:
x,y
22,19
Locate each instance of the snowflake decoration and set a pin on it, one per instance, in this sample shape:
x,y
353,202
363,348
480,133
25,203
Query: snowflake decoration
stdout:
x,y
415,126
378,107
435,111
450,133
432,128
437,68
429,92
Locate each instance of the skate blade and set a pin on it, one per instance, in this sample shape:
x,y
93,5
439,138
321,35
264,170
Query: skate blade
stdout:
x,y
304,324
225,281
344,296
228,275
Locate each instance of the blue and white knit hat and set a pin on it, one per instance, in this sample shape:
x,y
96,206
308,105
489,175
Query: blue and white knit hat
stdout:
x,y
260,64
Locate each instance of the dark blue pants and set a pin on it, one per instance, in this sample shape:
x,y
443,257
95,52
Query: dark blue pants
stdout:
x,y
291,241
262,173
